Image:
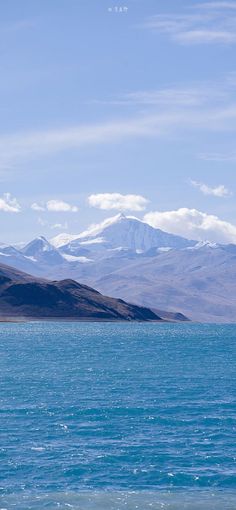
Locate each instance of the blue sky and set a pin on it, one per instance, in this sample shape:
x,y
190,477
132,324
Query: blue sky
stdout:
x,y
104,103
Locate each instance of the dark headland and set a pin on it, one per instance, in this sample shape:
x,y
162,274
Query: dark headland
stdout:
x,y
23,296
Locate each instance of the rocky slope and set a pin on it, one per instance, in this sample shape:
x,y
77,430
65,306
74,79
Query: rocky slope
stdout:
x,y
22,295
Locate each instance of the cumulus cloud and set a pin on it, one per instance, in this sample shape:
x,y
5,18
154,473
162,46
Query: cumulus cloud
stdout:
x,y
60,206
9,204
108,201
54,206
216,191
193,224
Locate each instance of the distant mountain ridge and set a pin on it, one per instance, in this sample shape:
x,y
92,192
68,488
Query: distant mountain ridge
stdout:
x,y
126,258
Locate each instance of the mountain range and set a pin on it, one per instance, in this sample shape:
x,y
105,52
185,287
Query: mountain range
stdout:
x,y
126,258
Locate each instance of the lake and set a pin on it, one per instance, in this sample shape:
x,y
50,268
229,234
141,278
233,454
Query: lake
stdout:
x,y
112,416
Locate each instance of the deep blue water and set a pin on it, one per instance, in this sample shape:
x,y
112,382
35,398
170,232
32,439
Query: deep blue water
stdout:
x,y
117,416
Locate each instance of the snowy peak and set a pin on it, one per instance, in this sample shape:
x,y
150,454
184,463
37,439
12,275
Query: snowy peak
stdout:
x,y
100,228
40,249
118,233
38,245
129,233
92,232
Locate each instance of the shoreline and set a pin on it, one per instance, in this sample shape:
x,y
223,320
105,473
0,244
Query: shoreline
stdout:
x,y
24,320
75,319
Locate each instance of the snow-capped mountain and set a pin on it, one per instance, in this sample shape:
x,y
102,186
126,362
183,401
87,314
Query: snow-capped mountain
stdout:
x,y
40,250
125,257
120,233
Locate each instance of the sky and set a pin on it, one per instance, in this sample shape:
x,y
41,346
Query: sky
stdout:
x,y
111,107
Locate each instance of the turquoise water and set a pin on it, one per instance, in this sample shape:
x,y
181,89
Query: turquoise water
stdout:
x,y
113,416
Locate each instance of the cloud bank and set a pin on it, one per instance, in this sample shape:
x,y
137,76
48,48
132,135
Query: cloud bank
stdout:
x,y
193,224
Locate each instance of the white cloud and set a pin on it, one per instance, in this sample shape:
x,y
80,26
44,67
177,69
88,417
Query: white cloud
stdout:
x,y
212,23
9,204
108,201
60,226
60,206
37,143
216,191
45,223
37,207
193,224
203,106
54,206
